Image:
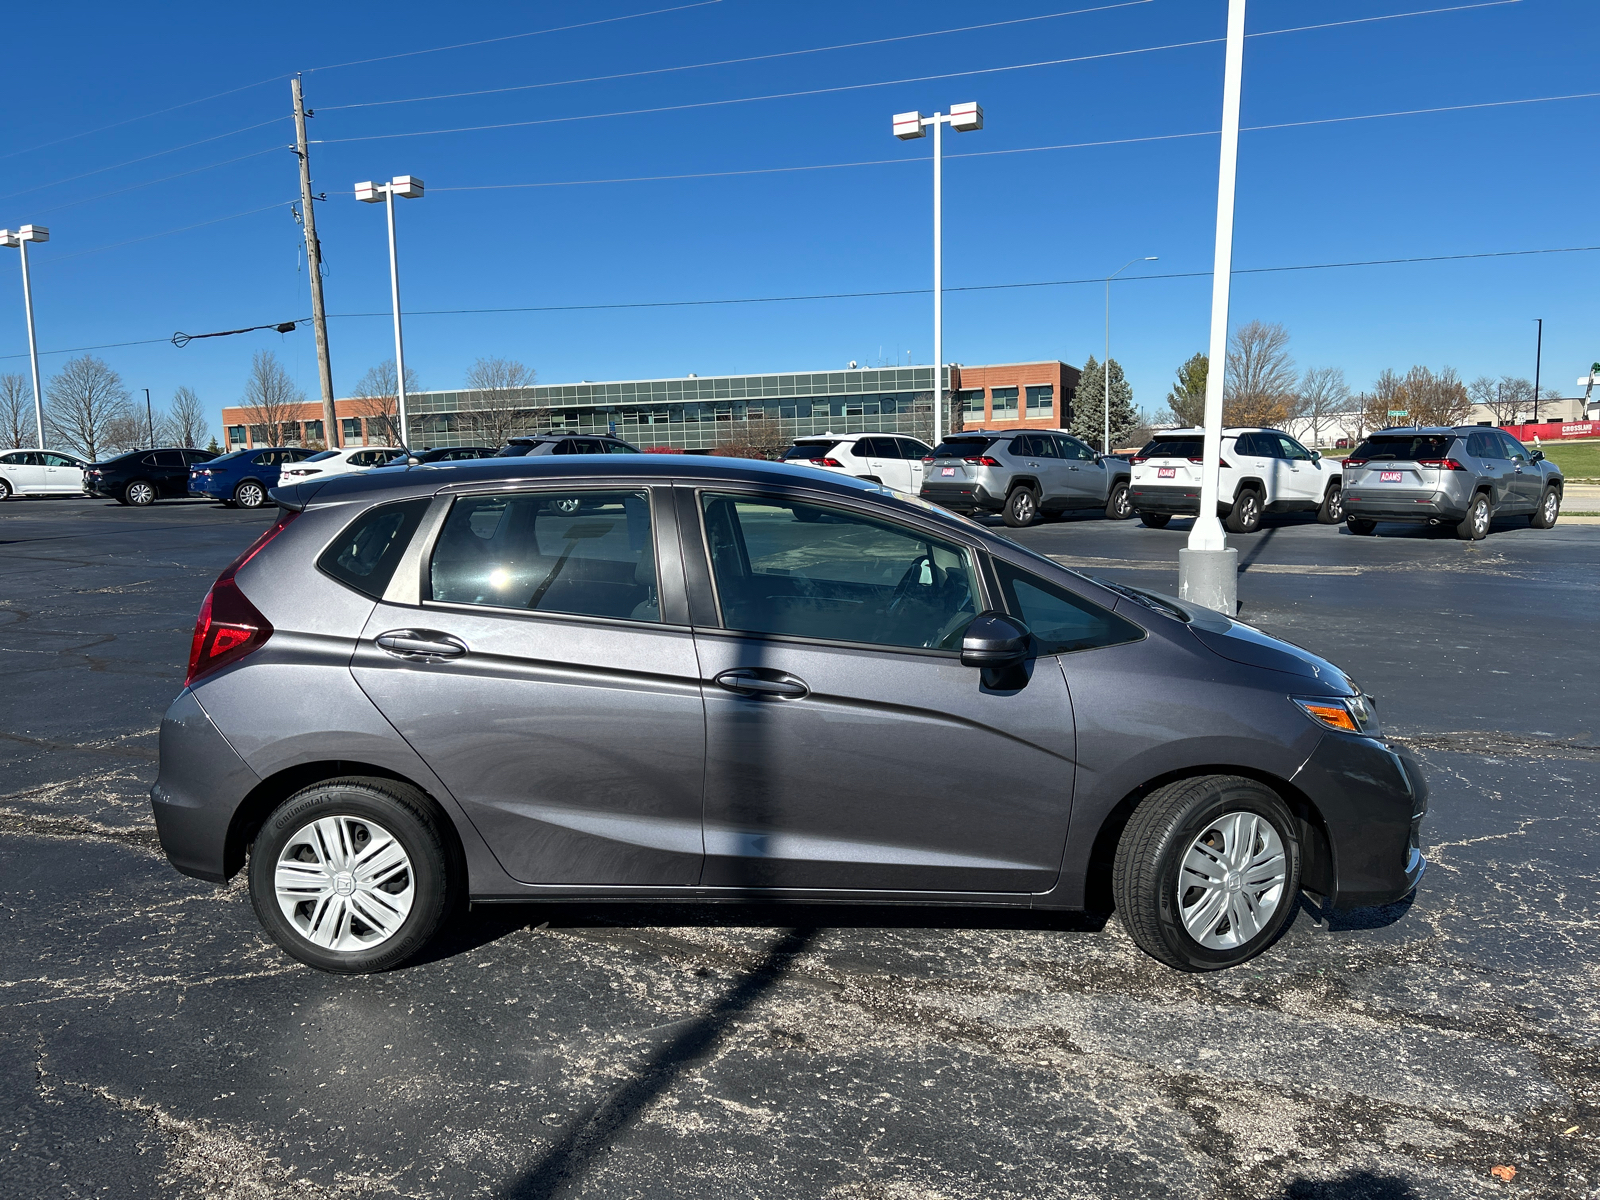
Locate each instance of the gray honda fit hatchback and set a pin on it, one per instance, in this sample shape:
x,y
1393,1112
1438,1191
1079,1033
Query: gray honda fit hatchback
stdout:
x,y
715,679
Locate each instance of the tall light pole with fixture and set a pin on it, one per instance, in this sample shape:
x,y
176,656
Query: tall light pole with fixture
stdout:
x,y
20,238
1208,568
1105,367
408,187
907,126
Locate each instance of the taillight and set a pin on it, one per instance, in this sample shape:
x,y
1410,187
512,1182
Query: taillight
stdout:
x,y
229,626
983,460
1442,464
1137,459
1221,462
1354,462
927,458
826,462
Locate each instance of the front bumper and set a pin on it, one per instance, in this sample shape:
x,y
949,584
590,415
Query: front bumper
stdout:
x,y
1409,505
1372,797
199,787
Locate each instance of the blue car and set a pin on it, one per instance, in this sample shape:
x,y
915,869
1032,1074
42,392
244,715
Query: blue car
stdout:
x,y
245,476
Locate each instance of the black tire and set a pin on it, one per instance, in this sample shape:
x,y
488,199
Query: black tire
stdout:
x,y
5,490
1245,515
1544,517
1331,511
1156,520
436,875
1149,865
1361,526
1475,525
1118,506
1022,507
250,494
140,493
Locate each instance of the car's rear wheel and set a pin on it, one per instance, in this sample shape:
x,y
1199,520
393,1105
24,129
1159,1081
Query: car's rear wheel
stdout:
x,y
1155,520
249,494
1022,507
1245,515
1475,525
353,875
1207,872
1361,525
1544,517
139,493
5,490
1118,506
1332,510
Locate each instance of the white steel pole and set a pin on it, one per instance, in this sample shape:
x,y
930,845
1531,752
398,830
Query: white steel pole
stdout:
x,y
33,346
1207,568
399,345
938,279
1105,369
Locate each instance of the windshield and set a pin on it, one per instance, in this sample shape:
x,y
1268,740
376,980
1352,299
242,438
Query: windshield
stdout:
x,y
963,447
1409,447
1173,447
806,451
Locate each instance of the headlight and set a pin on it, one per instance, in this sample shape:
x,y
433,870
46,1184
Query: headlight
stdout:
x,y
1347,714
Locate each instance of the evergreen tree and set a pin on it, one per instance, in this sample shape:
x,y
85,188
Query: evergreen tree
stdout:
x,y
1089,401
1187,399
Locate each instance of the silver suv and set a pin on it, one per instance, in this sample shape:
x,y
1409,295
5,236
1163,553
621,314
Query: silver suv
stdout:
x,y
684,678
1462,477
1023,474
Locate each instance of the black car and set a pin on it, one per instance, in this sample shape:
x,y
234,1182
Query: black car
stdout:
x,y
142,477
561,443
455,453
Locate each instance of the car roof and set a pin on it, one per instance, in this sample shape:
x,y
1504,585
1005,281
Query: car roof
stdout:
x,y
1431,430
1230,431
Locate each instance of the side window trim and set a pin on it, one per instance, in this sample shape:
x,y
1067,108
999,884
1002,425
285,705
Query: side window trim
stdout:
x,y
706,608
408,585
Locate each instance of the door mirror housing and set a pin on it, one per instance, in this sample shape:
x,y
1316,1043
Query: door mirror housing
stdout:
x,y
1536,456
1316,456
995,641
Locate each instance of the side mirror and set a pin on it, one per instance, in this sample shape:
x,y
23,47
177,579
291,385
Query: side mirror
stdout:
x,y
994,640
1316,456
1536,456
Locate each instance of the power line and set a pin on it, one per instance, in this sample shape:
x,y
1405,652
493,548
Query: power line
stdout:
x,y
726,62
511,37
853,87
133,187
168,232
977,287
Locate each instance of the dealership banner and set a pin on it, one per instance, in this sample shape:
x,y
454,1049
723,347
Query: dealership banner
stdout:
x,y
1553,430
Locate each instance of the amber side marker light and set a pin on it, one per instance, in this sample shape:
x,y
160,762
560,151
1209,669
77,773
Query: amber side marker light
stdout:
x,y
1332,713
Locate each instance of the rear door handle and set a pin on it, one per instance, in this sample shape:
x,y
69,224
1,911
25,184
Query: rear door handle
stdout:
x,y
421,645
762,681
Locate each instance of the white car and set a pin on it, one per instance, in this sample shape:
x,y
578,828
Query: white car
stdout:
x,y
339,462
893,460
40,473
1263,471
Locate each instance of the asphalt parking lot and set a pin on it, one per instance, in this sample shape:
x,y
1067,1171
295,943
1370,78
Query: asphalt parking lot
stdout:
x,y
154,1044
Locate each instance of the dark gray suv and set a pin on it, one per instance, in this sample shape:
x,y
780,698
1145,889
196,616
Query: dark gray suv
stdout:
x,y
717,679
1462,477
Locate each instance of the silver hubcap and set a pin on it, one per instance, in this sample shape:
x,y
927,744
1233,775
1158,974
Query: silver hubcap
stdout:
x,y
1480,518
1232,880
1123,506
250,495
1335,504
1024,505
344,883
1550,506
140,493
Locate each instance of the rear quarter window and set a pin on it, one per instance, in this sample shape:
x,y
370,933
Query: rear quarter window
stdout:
x,y
365,554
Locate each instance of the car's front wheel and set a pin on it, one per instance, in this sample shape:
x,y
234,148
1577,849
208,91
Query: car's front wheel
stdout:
x,y
1022,508
354,875
5,490
139,493
249,494
1331,511
1207,872
1118,506
1544,517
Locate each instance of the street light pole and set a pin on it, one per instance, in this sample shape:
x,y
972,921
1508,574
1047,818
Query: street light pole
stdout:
x,y
1105,367
410,188
150,418
1538,361
20,239
1208,568
907,126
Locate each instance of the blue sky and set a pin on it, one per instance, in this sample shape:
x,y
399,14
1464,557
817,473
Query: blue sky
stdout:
x,y
1520,177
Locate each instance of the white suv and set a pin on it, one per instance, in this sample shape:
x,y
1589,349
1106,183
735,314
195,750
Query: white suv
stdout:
x,y
1263,471
892,459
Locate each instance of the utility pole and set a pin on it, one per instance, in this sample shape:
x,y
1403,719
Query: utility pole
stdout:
x,y
319,314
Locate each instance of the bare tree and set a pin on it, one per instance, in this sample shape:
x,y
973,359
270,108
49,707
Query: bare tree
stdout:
x,y
1505,398
1261,386
1432,399
271,399
1323,394
84,399
497,407
128,430
186,419
757,437
378,400
17,427
1187,399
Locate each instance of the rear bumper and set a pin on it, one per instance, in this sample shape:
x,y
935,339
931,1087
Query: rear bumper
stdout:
x,y
1372,798
208,489
968,496
1180,501
198,789
1403,506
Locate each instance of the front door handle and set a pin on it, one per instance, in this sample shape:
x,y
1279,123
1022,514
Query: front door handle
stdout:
x,y
761,681
421,645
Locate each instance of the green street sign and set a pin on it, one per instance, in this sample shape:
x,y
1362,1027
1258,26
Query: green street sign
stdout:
x,y
1399,412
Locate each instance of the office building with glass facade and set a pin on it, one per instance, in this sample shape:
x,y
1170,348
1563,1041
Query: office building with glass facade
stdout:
x,y
696,415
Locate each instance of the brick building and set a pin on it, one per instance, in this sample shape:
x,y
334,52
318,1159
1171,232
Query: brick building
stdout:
x,y
696,414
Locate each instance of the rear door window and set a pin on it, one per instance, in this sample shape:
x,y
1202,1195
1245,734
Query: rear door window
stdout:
x,y
588,553
365,555
171,459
